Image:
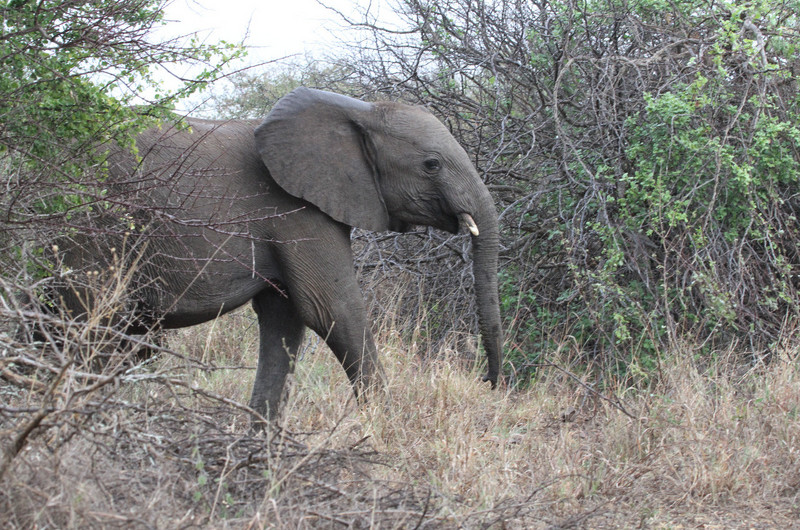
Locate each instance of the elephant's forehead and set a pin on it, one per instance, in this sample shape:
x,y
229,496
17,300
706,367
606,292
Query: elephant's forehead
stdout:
x,y
423,130
426,122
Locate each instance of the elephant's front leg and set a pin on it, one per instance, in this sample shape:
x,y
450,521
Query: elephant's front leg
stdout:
x,y
322,284
348,335
340,318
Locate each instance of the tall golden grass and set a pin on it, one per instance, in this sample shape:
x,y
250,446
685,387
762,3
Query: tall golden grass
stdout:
x,y
165,443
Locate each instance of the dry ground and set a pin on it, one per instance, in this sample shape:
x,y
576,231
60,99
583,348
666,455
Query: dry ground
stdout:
x,y
165,445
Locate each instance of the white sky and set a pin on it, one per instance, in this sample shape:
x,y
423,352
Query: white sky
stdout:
x,y
271,28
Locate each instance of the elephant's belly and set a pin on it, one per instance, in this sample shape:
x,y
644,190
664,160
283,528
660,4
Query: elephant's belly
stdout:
x,y
210,288
204,304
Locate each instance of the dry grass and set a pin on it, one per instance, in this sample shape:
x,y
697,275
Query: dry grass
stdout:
x,y
164,444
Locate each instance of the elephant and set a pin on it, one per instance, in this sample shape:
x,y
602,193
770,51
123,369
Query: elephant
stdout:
x,y
234,211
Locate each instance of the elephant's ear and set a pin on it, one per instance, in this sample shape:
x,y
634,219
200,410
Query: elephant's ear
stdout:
x,y
315,146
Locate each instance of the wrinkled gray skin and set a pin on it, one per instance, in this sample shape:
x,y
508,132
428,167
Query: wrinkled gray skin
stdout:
x,y
263,213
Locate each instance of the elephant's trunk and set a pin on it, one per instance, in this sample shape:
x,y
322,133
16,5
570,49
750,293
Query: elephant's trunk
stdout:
x,y
485,248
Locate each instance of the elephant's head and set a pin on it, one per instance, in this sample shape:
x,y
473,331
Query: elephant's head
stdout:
x,y
384,166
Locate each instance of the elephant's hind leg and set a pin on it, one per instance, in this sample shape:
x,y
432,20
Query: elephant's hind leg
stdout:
x,y
280,336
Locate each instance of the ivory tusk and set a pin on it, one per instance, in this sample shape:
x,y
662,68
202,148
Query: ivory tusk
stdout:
x,y
470,222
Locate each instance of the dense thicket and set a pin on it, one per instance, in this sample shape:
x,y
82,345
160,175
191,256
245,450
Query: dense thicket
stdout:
x,y
644,155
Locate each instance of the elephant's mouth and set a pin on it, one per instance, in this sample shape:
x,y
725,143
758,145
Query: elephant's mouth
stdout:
x,y
435,212
453,225
397,225
446,218
448,222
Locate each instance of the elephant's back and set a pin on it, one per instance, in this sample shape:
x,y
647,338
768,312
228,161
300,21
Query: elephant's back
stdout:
x,y
191,146
194,165
208,207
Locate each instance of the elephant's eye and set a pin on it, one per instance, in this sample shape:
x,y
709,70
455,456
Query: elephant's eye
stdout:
x,y
432,164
